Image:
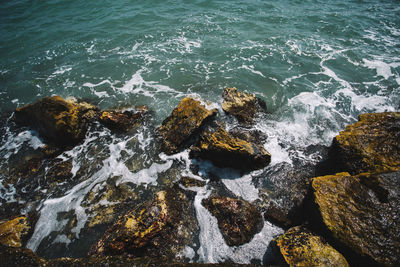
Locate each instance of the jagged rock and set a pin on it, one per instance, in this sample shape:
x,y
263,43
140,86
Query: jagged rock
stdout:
x,y
363,212
241,105
185,120
191,182
122,121
12,231
160,227
369,145
57,120
238,219
300,247
224,150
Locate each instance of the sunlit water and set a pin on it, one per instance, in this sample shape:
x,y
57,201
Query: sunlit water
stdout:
x,y
316,64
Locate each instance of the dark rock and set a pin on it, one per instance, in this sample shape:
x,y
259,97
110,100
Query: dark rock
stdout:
x,y
238,220
185,120
242,105
362,212
250,135
157,228
369,145
59,171
11,256
300,247
191,182
57,120
225,150
122,121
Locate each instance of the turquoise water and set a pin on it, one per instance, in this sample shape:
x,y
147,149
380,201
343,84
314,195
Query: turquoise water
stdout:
x,y
317,64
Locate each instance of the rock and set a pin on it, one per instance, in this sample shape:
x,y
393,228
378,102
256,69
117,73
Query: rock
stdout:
x,y
284,188
191,182
224,150
58,121
299,247
185,120
160,227
12,231
362,212
241,105
11,256
122,121
59,171
238,220
369,145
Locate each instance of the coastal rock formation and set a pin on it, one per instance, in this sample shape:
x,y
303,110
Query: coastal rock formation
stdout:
x,y
238,220
241,105
224,150
182,124
363,212
369,145
299,247
160,227
12,231
122,121
57,120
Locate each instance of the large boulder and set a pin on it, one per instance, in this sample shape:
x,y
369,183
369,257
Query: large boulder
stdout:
x,y
242,105
369,145
13,231
238,219
185,120
122,121
363,212
300,247
225,150
57,120
160,227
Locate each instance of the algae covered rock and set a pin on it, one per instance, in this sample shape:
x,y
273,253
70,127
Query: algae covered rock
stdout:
x,y
370,145
160,227
238,219
363,212
12,231
57,120
241,105
300,247
122,121
225,150
185,120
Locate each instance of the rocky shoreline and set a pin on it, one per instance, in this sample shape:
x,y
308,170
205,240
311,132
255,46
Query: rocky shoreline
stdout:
x,y
342,211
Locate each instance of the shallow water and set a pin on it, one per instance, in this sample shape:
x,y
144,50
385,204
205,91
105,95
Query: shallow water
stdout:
x,y
316,64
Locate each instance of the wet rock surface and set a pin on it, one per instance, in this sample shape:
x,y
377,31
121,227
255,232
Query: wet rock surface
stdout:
x,y
160,227
57,120
122,121
238,220
369,145
13,231
300,247
242,105
225,150
184,121
362,212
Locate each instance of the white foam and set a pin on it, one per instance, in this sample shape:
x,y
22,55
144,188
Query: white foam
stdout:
x,y
382,69
251,69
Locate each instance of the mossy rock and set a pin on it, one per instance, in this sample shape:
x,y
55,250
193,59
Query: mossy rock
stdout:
x,y
370,145
300,247
13,231
225,150
238,219
242,105
362,212
184,122
123,121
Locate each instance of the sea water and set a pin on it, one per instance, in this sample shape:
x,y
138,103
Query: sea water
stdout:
x,y
316,64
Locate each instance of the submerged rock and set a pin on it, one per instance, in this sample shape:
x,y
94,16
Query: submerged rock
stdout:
x,y
185,120
238,219
160,227
122,121
369,145
12,231
363,212
241,105
57,120
299,247
225,150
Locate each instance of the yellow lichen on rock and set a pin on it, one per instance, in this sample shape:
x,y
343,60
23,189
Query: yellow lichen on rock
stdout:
x,y
11,231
